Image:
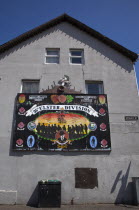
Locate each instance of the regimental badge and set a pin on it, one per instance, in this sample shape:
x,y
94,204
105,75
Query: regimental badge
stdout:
x,y
22,98
102,112
62,139
92,126
30,141
21,126
93,142
104,143
103,127
102,99
21,111
31,125
19,143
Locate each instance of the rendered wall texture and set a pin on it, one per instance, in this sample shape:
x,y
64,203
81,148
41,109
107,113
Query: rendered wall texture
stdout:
x,y
21,171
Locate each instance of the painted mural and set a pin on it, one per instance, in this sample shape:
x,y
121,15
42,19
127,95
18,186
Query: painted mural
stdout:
x,y
61,122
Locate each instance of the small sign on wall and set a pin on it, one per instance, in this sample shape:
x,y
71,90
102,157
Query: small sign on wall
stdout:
x,y
131,118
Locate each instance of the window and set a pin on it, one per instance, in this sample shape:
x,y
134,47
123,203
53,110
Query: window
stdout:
x,y
76,56
52,55
94,87
30,86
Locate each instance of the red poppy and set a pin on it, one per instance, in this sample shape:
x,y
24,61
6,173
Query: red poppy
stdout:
x,y
19,142
104,142
103,126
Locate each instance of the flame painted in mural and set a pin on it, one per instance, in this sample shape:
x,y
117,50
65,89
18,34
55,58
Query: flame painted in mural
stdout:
x,y
51,123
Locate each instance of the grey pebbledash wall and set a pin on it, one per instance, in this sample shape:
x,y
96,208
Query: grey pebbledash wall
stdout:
x,y
21,171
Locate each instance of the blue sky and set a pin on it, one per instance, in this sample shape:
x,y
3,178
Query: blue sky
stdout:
x,y
116,19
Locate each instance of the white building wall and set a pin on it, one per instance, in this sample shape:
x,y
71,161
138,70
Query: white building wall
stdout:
x,y
20,171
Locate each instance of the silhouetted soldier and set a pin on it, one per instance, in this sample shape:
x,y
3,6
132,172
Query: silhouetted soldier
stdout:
x,y
69,131
64,128
85,128
48,130
38,128
72,131
55,128
81,129
77,129
43,128
52,129
69,128
59,128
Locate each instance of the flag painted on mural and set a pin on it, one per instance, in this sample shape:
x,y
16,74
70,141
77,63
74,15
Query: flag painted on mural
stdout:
x,y
66,122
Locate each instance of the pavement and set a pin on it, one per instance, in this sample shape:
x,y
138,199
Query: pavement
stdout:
x,y
73,207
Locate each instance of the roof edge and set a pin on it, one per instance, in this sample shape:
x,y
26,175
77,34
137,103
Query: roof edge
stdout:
x,y
64,17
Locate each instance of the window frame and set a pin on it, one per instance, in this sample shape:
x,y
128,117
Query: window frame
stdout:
x,y
94,82
76,56
52,56
29,81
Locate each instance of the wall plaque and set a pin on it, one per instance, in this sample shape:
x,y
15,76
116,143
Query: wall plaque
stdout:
x,y
131,118
66,122
86,178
